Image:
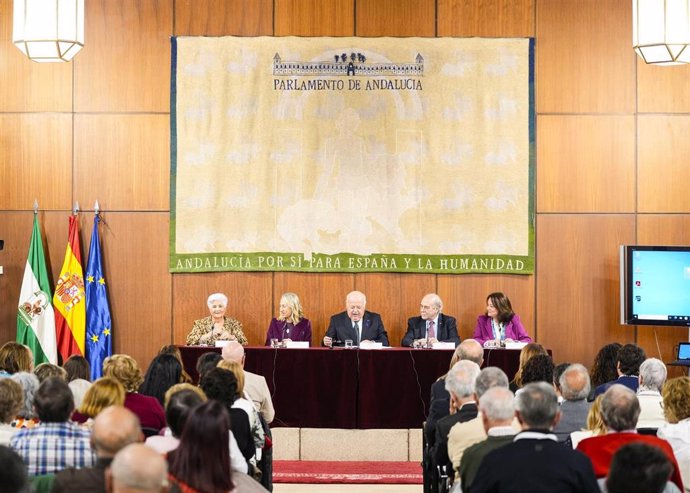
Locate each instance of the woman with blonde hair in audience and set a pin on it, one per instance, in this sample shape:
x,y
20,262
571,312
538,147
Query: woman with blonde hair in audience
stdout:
x,y
676,399
529,350
595,424
125,370
26,416
15,357
243,403
103,393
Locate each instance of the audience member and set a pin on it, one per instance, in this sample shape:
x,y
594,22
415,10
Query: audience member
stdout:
x,y
652,378
355,324
13,472
177,408
113,429
676,398
11,400
221,385
56,443
604,368
78,377
464,435
103,393
460,383
620,410
432,326
497,412
26,416
255,386
526,353
628,362
201,462
175,351
14,358
49,370
539,368
125,370
638,468
137,469
557,372
535,461
595,425
439,406
575,386
164,371
208,361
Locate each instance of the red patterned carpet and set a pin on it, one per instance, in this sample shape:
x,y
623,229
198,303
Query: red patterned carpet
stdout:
x,y
293,471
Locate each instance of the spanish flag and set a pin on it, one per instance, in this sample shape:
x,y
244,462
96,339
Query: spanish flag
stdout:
x,y
69,299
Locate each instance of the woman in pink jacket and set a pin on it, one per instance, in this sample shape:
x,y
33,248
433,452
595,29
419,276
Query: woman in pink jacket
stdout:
x,y
500,324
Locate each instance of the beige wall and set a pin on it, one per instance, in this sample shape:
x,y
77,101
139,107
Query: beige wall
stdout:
x,y
612,149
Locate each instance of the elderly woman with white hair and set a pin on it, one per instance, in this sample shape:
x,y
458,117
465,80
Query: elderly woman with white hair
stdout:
x,y
652,378
217,327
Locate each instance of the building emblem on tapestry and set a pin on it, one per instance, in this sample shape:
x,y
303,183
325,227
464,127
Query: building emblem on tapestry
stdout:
x,y
348,65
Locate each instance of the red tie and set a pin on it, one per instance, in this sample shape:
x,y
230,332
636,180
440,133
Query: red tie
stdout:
x,y
431,332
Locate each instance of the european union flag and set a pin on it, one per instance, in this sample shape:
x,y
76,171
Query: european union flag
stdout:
x,y
98,328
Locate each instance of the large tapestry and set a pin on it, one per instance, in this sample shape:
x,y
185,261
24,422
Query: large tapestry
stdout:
x,y
352,155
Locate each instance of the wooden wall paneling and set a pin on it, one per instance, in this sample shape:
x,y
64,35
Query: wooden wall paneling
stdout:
x,y
585,163
464,297
135,264
663,154
662,229
577,283
662,89
395,18
36,160
27,85
322,295
487,18
250,297
223,17
127,170
15,229
125,62
585,61
314,17
395,297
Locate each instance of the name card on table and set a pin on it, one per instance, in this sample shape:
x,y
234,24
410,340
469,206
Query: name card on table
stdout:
x,y
515,345
370,345
297,344
443,345
222,343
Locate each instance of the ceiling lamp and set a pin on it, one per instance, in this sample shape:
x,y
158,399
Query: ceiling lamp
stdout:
x,y
49,30
661,31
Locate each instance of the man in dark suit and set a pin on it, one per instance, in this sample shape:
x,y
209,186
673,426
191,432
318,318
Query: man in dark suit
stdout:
x,y
432,326
460,383
355,324
535,461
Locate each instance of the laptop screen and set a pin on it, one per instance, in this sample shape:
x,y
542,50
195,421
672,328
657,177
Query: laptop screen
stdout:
x,y
684,350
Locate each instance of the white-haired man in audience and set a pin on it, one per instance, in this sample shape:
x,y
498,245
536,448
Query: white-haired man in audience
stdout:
x,y
497,410
575,386
652,378
460,383
620,409
254,385
535,461
464,435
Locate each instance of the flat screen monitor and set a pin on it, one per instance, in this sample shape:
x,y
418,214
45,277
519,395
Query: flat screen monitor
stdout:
x,y
655,285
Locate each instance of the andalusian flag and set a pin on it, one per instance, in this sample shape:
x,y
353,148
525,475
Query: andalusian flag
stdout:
x,y
98,329
69,301
35,318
